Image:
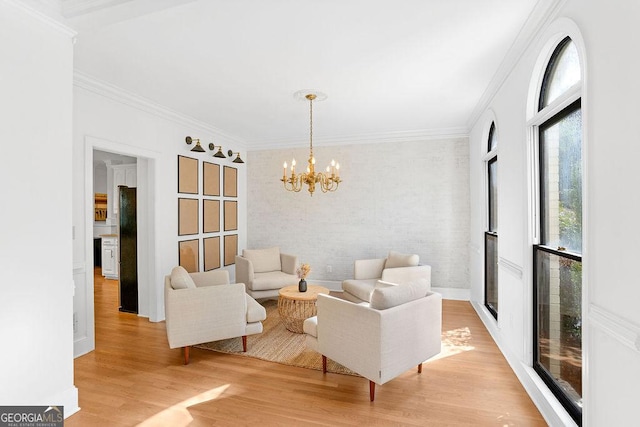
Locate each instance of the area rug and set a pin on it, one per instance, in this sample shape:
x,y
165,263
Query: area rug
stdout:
x,y
276,344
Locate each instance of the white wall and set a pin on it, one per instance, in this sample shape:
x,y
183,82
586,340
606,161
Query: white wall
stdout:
x,y
36,364
108,119
611,319
410,197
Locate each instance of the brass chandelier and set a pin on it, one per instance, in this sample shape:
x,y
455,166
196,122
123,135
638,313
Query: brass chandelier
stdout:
x,y
327,181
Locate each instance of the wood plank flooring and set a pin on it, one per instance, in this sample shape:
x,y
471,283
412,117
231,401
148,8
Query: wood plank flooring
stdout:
x,y
133,378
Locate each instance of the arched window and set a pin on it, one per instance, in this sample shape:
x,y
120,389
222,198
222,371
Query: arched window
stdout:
x,y
557,347
491,233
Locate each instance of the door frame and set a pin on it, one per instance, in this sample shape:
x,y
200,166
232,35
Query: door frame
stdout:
x,y
146,184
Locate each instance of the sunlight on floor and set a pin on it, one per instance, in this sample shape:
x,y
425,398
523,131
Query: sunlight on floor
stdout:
x,y
454,342
504,420
178,414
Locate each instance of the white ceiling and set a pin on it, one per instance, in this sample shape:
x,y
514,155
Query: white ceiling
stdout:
x,y
390,68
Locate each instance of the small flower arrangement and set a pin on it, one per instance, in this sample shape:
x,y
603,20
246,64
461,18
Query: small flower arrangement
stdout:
x,y
303,271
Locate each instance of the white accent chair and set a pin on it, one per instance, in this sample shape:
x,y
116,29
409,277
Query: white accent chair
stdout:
x,y
204,307
400,329
396,268
266,271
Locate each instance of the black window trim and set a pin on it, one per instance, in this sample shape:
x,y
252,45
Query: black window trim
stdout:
x,y
489,233
566,111
547,72
490,307
574,410
492,130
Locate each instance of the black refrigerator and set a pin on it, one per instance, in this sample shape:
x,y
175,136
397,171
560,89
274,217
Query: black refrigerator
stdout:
x,y
128,245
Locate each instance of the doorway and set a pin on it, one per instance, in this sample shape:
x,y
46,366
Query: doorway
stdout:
x,y
114,225
84,304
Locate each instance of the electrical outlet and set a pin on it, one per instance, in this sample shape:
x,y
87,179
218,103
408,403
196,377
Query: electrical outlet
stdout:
x,y
329,269
75,323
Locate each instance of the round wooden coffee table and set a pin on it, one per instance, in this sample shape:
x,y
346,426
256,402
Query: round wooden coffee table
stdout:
x,y
295,307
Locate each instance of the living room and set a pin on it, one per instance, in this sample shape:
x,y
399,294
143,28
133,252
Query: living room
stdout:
x,y
426,196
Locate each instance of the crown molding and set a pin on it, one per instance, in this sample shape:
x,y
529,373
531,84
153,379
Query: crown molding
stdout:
x,y
108,90
542,14
72,8
378,138
46,12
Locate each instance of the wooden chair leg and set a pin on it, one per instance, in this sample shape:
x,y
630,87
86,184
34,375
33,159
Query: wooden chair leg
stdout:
x,y
420,368
324,364
186,354
372,390
244,343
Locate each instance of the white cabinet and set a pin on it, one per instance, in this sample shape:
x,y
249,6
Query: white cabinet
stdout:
x,y
110,257
123,175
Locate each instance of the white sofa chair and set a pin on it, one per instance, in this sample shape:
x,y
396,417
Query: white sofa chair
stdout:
x,y
401,328
396,268
266,271
204,307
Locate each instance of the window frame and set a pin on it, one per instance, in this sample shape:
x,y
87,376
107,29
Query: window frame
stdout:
x,y
544,117
490,158
544,86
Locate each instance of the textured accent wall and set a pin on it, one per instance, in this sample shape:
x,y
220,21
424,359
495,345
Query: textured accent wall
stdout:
x,y
410,197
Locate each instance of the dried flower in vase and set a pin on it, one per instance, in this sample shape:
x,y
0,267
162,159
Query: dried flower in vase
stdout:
x,y
303,271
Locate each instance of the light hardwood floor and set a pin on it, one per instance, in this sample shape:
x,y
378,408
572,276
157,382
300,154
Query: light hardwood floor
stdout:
x,y
133,378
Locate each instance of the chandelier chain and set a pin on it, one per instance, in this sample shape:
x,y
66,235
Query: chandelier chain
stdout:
x,y
311,124
327,181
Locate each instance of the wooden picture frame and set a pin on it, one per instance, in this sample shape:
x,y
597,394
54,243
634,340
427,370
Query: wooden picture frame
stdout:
x,y
230,249
210,216
210,179
230,182
211,247
189,255
230,215
187,216
187,175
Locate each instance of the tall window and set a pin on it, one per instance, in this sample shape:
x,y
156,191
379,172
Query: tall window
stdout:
x,y
558,254
491,235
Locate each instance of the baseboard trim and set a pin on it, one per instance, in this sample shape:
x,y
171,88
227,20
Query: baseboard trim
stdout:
x,y
82,346
67,398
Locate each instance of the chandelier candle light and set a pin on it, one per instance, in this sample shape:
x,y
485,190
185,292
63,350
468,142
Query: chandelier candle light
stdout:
x,y
328,181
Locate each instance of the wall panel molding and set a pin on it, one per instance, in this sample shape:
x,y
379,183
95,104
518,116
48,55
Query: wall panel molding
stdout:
x,y
511,267
615,326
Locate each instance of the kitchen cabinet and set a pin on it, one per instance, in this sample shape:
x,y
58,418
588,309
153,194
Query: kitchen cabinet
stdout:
x,y
110,256
123,175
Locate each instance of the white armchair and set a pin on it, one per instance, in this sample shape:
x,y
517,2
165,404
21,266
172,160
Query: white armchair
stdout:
x,y
400,329
266,271
396,268
204,307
